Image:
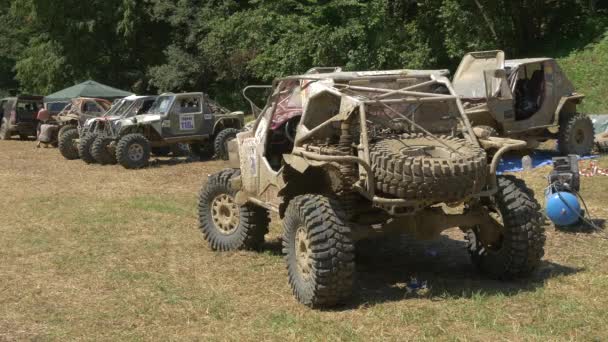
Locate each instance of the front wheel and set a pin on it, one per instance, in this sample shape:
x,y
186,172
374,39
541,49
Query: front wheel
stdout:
x,y
67,144
319,251
64,129
517,248
100,150
226,225
576,135
220,144
133,151
84,147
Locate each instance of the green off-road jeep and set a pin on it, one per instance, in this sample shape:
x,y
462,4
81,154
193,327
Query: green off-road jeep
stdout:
x,y
349,157
528,99
188,118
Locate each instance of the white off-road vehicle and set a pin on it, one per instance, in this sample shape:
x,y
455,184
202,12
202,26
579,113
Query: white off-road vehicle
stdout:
x,y
187,118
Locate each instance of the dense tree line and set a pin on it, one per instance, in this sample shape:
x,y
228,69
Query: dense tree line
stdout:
x,y
219,46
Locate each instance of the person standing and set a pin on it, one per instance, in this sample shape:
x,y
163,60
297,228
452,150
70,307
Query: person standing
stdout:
x,y
42,117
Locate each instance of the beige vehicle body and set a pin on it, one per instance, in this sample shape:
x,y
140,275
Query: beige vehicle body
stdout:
x,y
527,99
347,157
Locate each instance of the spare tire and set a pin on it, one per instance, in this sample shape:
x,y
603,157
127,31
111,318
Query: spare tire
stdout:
x,y
420,167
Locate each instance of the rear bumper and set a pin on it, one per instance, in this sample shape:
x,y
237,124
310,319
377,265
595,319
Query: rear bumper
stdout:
x,y
24,128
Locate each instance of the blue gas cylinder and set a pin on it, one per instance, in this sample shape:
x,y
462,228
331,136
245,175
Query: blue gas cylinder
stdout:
x,y
562,208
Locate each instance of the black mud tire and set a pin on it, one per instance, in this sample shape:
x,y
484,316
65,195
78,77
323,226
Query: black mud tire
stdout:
x,y
523,240
319,251
64,129
5,133
133,151
220,143
575,135
67,145
253,221
100,151
430,176
84,148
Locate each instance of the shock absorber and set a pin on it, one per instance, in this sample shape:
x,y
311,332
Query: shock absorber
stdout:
x,y
347,195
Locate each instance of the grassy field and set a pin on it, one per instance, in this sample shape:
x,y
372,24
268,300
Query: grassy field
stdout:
x,y
103,253
587,69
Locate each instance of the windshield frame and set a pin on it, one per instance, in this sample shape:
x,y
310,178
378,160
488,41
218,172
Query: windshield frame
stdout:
x,y
156,106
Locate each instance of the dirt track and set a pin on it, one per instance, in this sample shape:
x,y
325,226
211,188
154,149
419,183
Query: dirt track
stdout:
x,y
100,252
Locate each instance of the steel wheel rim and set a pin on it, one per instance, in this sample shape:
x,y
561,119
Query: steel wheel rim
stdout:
x,y
225,214
135,152
302,253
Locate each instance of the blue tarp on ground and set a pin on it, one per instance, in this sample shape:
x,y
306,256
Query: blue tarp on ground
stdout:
x,y
512,163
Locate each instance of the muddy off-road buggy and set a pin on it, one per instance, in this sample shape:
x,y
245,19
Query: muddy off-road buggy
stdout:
x,y
187,118
101,131
526,99
71,122
348,157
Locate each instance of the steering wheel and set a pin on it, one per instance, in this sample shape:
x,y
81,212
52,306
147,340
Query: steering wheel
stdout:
x,y
291,127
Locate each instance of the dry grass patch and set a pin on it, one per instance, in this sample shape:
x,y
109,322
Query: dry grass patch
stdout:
x,y
92,252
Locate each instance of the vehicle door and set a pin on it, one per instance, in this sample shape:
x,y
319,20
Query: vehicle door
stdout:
x,y
26,111
185,117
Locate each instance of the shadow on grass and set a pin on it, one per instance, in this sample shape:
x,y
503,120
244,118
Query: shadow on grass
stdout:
x,y
587,227
445,266
273,247
156,162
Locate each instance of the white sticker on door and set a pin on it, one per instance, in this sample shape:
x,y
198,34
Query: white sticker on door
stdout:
x,y
186,122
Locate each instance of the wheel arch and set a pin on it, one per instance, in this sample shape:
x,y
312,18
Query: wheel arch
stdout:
x,y
317,180
567,105
224,123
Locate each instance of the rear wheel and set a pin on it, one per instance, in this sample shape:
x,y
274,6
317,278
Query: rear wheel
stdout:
x,y
318,250
226,225
100,150
517,248
84,148
220,143
133,151
576,135
67,144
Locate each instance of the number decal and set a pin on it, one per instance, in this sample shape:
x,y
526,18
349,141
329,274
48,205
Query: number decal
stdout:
x,y
186,122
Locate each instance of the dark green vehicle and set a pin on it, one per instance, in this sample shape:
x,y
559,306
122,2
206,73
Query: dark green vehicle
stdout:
x,y
18,116
186,118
